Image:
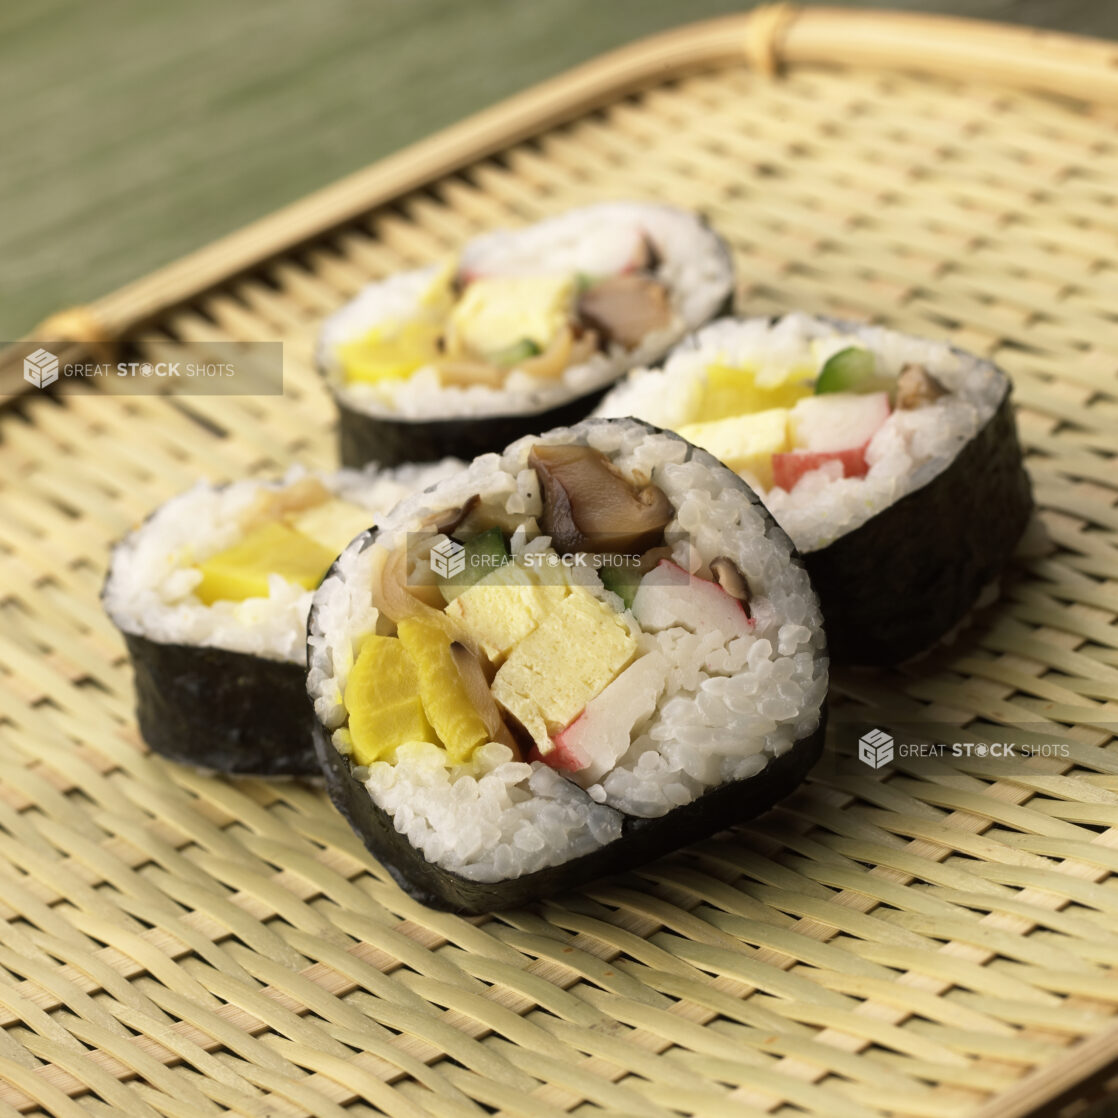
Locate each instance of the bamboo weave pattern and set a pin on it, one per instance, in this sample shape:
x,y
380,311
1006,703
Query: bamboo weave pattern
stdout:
x,y
895,942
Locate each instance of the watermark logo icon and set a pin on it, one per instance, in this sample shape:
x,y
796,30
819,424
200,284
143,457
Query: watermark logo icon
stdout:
x,y
448,558
40,368
875,749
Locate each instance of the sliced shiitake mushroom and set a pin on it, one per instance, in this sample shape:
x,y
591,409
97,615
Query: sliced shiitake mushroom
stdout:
x,y
447,522
728,575
916,387
566,350
396,600
648,257
625,308
472,675
472,518
652,558
590,506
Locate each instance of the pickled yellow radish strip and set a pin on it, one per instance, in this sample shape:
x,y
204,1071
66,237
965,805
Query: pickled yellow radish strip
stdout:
x,y
391,351
445,701
383,703
730,391
242,571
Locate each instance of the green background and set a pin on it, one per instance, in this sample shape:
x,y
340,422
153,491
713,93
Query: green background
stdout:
x,y
133,131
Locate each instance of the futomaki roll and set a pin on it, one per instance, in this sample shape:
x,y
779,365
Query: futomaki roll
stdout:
x,y
211,593
575,656
521,331
892,461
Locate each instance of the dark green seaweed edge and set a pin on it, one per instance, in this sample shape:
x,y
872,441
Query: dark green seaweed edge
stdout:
x,y
897,584
216,708
642,840
364,438
894,586
219,709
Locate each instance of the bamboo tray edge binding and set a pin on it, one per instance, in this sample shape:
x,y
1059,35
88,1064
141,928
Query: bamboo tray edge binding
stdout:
x,y
1075,649
769,38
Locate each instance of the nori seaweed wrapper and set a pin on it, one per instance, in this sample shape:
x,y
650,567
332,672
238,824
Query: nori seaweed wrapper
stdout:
x,y
364,438
219,709
641,840
894,586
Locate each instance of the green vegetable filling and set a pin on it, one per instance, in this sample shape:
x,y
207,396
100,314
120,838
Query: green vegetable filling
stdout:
x,y
850,370
481,555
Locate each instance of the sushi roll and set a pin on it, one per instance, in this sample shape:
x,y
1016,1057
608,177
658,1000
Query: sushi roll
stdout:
x,y
574,657
892,461
211,594
522,331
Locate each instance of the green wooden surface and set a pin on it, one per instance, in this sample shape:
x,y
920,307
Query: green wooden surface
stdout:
x,y
133,131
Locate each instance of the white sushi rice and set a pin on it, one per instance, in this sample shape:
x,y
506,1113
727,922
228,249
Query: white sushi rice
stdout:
x,y
910,449
153,573
731,705
596,240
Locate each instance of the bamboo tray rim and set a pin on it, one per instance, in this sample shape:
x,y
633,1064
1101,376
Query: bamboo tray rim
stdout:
x,y
770,38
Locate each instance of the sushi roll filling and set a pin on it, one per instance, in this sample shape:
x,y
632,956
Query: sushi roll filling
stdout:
x,y
526,320
561,654
822,428
234,566
292,534
475,668
470,328
829,423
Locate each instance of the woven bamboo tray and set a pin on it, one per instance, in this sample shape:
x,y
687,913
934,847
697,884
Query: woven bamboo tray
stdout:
x,y
934,943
